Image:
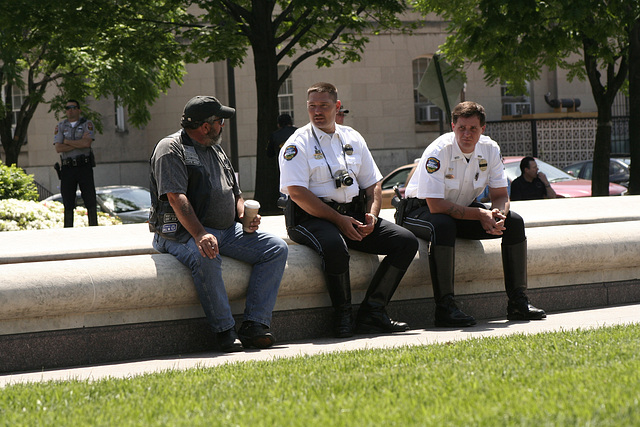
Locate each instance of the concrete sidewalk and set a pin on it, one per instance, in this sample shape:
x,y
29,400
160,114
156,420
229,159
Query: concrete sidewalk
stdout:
x,y
488,328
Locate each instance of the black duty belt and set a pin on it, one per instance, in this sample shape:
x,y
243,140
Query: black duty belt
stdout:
x,y
342,208
77,161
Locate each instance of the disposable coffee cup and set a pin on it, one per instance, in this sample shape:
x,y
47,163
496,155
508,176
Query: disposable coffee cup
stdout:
x,y
251,208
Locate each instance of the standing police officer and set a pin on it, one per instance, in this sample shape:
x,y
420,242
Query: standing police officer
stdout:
x,y
323,168
72,139
452,172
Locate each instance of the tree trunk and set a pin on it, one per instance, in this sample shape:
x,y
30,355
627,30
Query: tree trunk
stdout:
x,y
604,96
266,69
602,152
634,107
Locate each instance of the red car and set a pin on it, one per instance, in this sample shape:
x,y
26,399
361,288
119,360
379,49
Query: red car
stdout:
x,y
563,184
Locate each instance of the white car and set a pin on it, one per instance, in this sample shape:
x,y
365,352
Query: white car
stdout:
x,y
128,202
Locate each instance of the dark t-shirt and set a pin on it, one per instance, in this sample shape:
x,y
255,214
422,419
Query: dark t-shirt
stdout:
x,y
169,163
278,138
521,189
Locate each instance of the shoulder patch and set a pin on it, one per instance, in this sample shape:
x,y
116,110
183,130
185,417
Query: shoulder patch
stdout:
x,y
290,152
433,165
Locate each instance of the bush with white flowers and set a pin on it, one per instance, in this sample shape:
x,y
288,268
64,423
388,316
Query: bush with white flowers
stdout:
x,y
29,215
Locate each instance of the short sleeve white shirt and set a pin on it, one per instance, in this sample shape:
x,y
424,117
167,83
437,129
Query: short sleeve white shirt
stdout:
x,y
444,173
311,161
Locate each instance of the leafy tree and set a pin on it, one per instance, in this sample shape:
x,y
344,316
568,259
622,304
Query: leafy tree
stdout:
x,y
287,33
88,48
513,41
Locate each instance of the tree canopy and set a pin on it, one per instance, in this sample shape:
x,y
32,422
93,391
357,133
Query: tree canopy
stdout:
x,y
512,41
280,32
125,49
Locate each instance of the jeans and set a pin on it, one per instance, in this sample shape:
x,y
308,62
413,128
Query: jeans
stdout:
x,y
265,252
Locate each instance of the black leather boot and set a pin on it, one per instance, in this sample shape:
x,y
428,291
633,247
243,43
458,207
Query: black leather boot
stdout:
x,y
442,269
514,265
339,286
448,315
372,315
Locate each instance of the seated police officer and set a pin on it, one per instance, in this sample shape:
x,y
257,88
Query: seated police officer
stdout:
x,y
323,168
72,139
441,206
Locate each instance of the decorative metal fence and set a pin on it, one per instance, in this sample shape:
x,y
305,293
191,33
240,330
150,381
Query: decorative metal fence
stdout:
x,y
560,142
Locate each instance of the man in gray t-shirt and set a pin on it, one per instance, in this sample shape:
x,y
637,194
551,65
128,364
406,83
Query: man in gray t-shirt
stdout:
x,y
195,214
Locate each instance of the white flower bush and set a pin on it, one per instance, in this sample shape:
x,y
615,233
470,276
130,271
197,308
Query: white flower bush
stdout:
x,y
28,215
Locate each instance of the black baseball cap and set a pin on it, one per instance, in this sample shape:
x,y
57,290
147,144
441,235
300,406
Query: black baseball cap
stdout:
x,y
199,108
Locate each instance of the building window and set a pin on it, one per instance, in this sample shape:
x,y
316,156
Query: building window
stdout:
x,y
425,110
285,94
121,125
18,97
515,103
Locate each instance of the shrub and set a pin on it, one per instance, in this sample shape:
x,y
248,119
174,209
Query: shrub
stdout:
x,y
16,184
29,215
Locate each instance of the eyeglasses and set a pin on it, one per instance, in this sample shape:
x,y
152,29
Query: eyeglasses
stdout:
x,y
71,107
221,121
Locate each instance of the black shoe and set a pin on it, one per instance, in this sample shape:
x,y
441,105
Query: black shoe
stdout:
x,y
377,322
255,335
519,308
448,314
228,341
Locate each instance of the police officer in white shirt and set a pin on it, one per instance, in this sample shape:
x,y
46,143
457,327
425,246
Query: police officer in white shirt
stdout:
x,y
452,172
323,168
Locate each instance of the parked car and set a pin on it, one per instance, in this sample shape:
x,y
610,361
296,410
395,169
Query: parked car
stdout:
x,y
129,203
398,177
618,170
563,184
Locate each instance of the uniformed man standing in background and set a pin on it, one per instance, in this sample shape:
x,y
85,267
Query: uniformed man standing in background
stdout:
x,y
323,168
72,139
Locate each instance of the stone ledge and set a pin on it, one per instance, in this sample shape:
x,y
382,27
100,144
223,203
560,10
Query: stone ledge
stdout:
x,y
92,292
108,295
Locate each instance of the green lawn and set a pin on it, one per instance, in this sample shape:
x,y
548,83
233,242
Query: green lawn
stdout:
x,y
577,378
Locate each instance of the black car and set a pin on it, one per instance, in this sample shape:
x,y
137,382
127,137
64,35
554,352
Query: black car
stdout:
x,y
618,170
128,202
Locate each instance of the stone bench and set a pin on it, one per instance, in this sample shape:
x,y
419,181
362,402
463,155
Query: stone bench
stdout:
x,y
91,295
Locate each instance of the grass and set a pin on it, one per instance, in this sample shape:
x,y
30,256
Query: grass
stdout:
x,y
575,378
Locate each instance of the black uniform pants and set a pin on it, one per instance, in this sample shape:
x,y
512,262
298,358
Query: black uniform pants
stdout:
x,y
324,237
72,177
442,229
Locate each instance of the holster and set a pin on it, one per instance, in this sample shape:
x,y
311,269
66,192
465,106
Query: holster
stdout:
x,y
401,207
58,170
293,214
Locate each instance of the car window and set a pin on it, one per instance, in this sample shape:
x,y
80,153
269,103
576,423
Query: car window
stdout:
x,y
553,173
574,170
127,200
398,178
616,168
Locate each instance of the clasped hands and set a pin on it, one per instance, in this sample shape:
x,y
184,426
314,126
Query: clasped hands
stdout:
x,y
354,229
493,221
